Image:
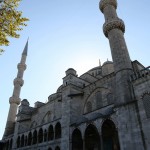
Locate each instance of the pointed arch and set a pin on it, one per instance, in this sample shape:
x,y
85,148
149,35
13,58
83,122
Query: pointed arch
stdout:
x,y
34,137
45,135
50,133
22,140
18,142
29,138
110,135
57,130
77,142
26,141
11,143
92,138
40,136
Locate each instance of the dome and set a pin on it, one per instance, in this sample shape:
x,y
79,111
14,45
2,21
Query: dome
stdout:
x,y
107,62
107,68
25,102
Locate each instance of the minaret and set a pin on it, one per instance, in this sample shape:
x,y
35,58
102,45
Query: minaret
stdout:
x,y
15,99
114,29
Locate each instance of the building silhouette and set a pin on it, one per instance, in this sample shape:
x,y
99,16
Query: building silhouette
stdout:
x,y
106,108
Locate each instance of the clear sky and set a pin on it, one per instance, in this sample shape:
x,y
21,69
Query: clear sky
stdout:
x,y
67,34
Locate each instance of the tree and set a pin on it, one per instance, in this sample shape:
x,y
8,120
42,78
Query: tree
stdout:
x,y
11,21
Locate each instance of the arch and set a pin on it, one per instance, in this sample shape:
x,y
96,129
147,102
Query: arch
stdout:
x,y
45,135
58,131
77,142
110,135
49,148
34,137
22,140
29,138
47,117
40,136
26,141
11,143
18,142
146,102
7,145
57,148
50,133
92,138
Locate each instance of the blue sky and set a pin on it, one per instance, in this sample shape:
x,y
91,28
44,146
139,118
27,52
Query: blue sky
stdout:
x,y
67,34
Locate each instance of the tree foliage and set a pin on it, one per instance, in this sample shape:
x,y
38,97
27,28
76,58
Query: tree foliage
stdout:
x,y
11,21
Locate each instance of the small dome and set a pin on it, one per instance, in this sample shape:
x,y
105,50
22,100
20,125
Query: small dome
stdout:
x,y
71,71
25,102
107,68
107,62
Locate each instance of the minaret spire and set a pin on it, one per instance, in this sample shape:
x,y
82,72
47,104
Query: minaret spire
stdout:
x,y
15,99
114,29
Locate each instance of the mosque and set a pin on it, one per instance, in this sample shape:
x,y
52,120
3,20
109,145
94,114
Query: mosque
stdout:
x,y
106,108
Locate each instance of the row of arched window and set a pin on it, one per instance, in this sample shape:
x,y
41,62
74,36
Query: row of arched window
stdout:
x,y
40,136
92,140
8,144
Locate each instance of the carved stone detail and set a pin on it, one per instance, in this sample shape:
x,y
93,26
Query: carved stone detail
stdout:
x,y
113,25
18,81
14,100
104,3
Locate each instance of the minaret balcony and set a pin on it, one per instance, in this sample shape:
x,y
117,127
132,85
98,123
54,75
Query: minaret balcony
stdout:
x,y
14,100
18,81
113,24
22,66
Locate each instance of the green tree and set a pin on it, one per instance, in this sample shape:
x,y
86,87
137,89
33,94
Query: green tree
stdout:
x,y
11,21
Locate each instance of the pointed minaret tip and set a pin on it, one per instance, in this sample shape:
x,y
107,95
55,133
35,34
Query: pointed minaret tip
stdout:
x,y
25,51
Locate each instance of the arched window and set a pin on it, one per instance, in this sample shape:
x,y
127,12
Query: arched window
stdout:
x,y
11,142
35,137
40,136
92,139
45,135
26,141
22,140
7,145
58,131
29,138
18,142
57,148
99,102
50,133
77,143
89,106
110,136
146,102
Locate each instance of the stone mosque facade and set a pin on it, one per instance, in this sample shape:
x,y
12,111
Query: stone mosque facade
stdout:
x,y
106,108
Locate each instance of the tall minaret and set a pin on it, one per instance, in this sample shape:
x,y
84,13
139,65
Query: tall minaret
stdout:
x,y
114,29
15,99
